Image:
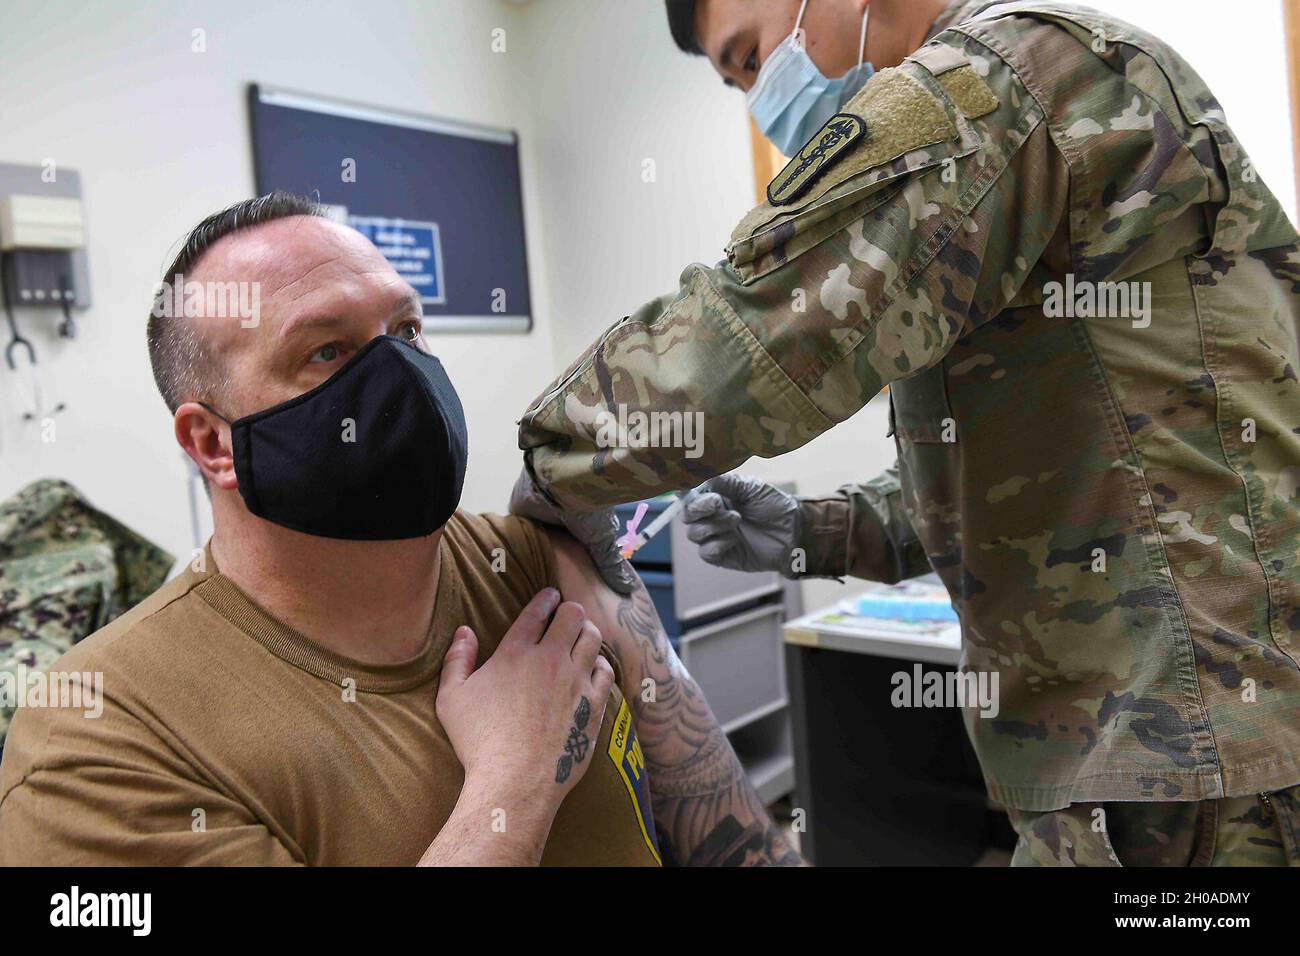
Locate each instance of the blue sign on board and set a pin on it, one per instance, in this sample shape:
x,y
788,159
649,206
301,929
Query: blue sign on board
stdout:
x,y
413,248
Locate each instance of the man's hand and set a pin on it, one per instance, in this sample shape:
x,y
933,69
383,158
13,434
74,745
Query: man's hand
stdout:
x,y
743,524
597,531
523,726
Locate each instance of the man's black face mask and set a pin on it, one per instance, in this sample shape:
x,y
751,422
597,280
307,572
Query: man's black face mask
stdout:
x,y
376,452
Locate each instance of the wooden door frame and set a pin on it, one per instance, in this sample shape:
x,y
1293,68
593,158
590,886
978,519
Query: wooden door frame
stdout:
x,y
768,161
1291,12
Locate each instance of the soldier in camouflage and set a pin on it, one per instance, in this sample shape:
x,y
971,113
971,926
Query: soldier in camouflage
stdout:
x,y
1047,241
66,570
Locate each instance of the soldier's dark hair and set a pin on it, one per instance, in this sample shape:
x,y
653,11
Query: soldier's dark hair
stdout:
x,y
183,367
681,21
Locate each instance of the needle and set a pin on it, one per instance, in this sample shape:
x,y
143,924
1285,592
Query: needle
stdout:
x,y
633,541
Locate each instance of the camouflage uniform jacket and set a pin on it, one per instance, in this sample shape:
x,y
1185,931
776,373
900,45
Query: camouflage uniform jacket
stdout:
x,y
66,570
1110,499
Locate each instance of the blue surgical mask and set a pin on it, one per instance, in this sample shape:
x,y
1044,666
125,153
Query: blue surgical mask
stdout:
x,y
791,99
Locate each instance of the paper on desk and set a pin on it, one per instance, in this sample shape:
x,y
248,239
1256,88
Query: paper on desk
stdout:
x,y
841,629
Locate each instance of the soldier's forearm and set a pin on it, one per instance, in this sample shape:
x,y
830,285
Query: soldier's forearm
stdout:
x,y
678,392
861,531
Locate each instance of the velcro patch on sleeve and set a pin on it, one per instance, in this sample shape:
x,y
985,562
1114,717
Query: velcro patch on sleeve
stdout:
x,y
938,57
971,94
903,116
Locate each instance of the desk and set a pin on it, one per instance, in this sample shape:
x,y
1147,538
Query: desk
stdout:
x,y
882,785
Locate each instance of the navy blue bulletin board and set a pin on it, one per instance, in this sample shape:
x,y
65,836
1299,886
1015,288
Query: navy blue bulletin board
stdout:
x,y
442,199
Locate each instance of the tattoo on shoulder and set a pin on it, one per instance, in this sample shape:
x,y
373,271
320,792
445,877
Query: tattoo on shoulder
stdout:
x,y
706,812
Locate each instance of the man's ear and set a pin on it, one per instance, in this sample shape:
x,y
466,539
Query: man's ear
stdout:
x,y
206,439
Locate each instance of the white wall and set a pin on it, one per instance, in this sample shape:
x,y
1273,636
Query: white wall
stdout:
x,y
615,95
160,137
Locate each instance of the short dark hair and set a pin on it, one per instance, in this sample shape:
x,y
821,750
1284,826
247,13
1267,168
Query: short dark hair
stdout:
x,y
681,21
183,368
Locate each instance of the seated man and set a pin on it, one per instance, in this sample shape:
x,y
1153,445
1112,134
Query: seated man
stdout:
x,y
306,692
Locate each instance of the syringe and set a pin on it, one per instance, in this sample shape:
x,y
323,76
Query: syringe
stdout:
x,y
634,540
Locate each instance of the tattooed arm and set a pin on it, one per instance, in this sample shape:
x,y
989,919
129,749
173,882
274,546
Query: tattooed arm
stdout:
x,y
705,810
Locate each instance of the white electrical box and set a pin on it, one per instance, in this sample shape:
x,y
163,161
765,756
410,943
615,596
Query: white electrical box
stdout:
x,y
41,222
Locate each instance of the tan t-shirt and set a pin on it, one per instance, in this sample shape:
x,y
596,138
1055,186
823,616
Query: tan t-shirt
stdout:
x,y
228,738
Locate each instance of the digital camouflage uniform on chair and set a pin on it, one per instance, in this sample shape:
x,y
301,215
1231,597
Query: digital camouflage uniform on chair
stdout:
x,y
66,570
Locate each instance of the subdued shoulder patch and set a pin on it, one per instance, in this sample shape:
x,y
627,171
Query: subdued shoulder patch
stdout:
x,y
818,155
971,94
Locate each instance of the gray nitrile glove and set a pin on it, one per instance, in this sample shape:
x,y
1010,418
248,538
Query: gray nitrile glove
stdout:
x,y
743,523
594,530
